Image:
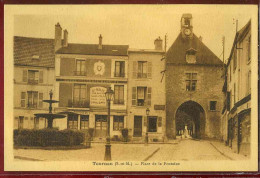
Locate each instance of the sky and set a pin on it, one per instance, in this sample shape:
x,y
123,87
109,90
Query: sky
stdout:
x,y
134,25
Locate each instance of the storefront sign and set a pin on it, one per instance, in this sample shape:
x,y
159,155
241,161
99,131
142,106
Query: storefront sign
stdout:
x,y
159,107
97,96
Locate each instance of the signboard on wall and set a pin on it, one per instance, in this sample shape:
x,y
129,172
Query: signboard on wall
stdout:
x,y
97,96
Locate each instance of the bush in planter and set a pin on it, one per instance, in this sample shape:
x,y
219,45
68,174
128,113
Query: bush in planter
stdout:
x,y
125,134
49,137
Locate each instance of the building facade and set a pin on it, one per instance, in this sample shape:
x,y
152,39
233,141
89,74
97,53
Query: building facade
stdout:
x,y
193,86
237,111
146,94
82,75
33,79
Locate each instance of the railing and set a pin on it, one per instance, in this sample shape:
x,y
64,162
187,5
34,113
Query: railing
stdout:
x,y
119,101
31,105
33,81
80,73
78,104
141,75
119,74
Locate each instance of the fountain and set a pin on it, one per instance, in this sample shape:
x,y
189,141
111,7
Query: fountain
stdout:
x,y
50,116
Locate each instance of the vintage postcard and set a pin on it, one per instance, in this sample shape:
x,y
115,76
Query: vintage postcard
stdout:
x,y
131,88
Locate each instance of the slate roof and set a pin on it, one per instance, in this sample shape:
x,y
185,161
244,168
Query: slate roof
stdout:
x,y
177,52
92,49
25,48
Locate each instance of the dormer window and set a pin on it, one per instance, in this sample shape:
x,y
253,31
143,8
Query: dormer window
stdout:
x,y
191,56
187,22
35,57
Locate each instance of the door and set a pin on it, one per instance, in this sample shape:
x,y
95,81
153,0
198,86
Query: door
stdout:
x,y
101,126
137,126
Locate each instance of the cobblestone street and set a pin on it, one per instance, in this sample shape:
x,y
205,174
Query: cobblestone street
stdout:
x,y
185,149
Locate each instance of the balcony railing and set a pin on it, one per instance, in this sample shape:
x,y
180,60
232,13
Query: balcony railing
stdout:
x,y
116,74
78,104
33,81
119,101
80,73
141,75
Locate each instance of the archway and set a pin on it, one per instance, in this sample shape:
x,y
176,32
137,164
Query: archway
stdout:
x,y
190,120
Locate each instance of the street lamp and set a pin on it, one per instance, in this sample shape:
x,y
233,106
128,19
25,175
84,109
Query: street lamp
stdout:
x,y
109,97
146,134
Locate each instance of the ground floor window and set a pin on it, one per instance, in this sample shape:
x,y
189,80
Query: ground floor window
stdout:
x,y
101,125
20,122
84,122
36,122
118,122
152,124
72,121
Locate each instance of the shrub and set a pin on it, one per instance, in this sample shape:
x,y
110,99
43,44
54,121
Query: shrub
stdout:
x,y
48,137
125,134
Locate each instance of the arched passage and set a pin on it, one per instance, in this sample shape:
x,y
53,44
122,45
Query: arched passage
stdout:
x,y
190,118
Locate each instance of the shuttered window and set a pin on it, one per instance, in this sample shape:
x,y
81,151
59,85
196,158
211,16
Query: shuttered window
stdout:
x,y
141,96
149,96
23,99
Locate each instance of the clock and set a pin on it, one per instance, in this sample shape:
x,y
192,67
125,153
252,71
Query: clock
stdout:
x,y
187,31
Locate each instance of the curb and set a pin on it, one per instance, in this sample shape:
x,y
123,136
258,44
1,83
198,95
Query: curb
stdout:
x,y
148,157
27,159
221,152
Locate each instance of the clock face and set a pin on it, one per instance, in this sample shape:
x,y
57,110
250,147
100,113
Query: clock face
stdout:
x,y
187,31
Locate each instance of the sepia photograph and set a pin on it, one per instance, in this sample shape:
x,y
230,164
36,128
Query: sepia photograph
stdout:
x,y
131,88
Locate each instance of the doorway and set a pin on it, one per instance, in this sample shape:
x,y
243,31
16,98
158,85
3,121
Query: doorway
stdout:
x,y
100,125
137,126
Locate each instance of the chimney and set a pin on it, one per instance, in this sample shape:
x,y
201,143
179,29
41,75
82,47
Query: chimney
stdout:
x,y
100,42
200,38
158,43
57,39
65,38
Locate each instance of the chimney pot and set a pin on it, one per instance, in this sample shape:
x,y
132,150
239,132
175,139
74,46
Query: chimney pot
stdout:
x,y
100,42
158,43
57,38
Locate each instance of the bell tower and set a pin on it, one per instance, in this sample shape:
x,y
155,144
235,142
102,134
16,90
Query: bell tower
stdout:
x,y
186,26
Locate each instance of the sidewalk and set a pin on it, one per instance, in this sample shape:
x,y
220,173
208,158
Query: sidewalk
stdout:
x,y
120,152
227,151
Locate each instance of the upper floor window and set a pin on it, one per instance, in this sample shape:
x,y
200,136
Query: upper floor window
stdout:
x,y
249,49
119,94
141,96
80,67
142,69
213,105
32,76
191,56
120,69
79,96
191,81
32,99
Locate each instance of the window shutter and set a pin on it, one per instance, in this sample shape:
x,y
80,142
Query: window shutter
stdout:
x,y
160,122
134,69
149,74
134,96
23,96
40,99
149,96
41,77
24,75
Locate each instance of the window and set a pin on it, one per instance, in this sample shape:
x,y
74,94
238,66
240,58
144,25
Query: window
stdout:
x,y
33,76
142,69
79,95
20,122
187,22
32,99
118,122
84,122
141,96
213,105
152,124
73,121
119,94
119,69
249,48
80,67
191,81
191,56
36,123
23,96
